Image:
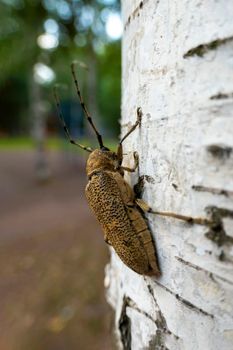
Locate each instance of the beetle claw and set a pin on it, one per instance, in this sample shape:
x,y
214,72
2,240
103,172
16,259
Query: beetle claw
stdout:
x,y
139,115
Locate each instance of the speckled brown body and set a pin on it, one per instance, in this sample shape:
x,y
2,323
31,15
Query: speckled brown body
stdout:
x,y
112,200
113,203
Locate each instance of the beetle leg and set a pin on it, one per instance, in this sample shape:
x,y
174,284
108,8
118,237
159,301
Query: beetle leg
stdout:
x,y
119,148
136,163
189,219
120,154
138,122
106,239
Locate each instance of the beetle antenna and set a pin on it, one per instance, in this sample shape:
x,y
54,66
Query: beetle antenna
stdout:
x,y
85,110
61,117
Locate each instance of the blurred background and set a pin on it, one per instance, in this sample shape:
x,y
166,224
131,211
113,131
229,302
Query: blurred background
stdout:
x,y
52,252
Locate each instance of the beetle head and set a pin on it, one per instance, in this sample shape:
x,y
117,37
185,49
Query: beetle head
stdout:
x,y
102,159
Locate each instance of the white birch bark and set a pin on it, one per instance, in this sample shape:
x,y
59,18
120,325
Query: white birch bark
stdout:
x,y
178,67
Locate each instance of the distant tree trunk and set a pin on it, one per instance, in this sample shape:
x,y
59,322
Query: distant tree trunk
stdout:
x,y
178,67
42,170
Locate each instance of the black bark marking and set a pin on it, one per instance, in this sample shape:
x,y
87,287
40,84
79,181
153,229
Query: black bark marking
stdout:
x,y
139,187
175,186
219,151
124,325
202,49
211,275
216,232
134,306
160,322
185,302
162,328
156,344
221,96
136,12
149,179
157,341
218,191
223,257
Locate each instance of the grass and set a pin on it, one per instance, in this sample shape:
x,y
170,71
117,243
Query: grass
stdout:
x,y
53,143
25,143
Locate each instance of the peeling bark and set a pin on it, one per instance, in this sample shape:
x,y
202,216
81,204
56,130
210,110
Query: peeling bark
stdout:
x,y
177,64
202,49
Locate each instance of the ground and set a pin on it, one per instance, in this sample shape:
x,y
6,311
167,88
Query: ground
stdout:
x,y
52,258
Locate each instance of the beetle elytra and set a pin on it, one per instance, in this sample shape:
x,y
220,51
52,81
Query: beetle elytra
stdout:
x,y
114,203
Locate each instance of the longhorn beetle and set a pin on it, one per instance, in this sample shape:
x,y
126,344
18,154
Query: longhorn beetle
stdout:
x,y
114,202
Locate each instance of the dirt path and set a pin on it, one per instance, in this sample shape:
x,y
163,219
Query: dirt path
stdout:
x,y
52,259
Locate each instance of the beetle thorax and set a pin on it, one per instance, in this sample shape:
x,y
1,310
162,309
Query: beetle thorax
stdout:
x,y
100,160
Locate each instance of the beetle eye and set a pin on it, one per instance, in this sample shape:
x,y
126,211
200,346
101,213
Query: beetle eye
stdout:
x,y
105,149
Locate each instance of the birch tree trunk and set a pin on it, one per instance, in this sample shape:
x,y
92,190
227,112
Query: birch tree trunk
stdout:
x,y
178,67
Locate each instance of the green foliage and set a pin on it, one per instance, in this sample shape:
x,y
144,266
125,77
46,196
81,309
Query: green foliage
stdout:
x,y
20,24
27,143
80,33
109,93
13,102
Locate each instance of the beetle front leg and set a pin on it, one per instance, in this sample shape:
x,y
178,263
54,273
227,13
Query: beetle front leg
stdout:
x,y
136,163
120,148
189,219
120,154
138,122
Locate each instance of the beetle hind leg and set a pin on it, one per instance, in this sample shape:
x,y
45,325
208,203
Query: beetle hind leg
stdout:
x,y
189,219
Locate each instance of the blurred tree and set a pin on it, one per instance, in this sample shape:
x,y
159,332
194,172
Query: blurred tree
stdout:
x,y
13,98
109,93
38,38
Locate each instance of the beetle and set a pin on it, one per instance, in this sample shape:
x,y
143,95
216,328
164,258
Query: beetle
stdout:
x,y
114,202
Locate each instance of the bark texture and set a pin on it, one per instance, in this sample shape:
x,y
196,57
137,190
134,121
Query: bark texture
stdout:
x,y
178,67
